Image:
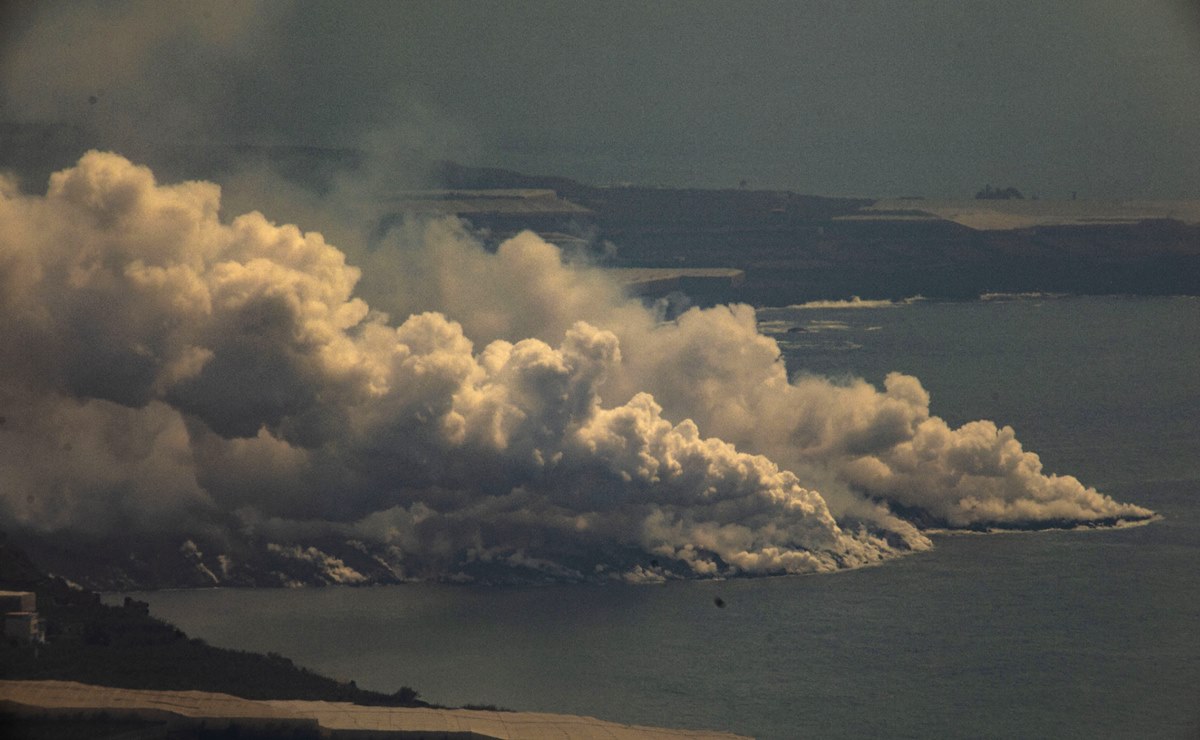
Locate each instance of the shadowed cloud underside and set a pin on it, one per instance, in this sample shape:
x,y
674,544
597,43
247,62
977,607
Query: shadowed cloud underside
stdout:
x,y
167,370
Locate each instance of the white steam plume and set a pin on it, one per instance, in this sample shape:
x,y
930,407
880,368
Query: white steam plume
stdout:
x,y
714,367
168,370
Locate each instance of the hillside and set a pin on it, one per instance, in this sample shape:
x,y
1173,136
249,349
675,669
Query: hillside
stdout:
x,y
795,248
125,647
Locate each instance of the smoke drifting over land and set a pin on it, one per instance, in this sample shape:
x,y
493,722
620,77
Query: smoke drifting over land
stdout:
x,y
165,369
870,99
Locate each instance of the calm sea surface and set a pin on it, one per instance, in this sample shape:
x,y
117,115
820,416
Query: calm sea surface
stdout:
x,y
1052,634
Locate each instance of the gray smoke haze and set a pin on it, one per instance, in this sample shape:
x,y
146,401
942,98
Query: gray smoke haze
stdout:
x,y
871,98
167,368
135,75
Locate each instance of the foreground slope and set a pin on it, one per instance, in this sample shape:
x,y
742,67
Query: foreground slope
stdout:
x,y
180,713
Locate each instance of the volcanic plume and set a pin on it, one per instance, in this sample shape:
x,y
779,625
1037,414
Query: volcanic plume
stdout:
x,y
168,371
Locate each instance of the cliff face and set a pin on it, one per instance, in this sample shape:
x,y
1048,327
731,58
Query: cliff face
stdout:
x,y
792,247
942,261
795,248
812,256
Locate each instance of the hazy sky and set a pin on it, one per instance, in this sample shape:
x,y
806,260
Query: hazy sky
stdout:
x,y
868,98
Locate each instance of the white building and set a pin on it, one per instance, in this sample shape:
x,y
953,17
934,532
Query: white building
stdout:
x,y
20,615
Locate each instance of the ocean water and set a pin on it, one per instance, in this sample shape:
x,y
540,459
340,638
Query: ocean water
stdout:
x,y
1053,634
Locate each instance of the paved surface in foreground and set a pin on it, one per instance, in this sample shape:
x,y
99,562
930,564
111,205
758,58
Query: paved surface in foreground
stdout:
x,y
67,696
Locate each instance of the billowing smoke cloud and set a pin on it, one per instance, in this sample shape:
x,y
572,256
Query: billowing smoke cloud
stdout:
x,y
163,369
714,367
